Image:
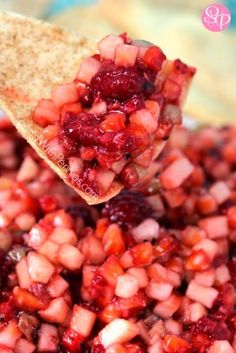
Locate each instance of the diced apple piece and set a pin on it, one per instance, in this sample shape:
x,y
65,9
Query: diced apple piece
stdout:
x,y
221,347
202,294
167,308
127,286
56,312
126,55
40,269
63,235
82,320
10,334
29,169
210,247
140,274
215,227
6,239
64,94
23,275
220,191
92,248
50,250
26,300
107,46
70,257
24,346
88,69
57,286
76,165
105,179
147,230
197,311
159,291
118,331
175,174
145,119
222,274
37,237
46,113
48,338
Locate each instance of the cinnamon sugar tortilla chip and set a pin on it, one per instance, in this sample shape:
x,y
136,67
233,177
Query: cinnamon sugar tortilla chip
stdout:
x,y
35,57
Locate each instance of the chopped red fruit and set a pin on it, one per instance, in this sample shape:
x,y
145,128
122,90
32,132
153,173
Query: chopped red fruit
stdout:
x,y
175,344
124,100
72,340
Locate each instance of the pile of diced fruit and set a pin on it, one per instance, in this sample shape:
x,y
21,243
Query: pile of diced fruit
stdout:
x,y
114,118
152,271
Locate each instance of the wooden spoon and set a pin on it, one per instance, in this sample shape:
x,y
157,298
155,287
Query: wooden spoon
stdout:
x,y
35,57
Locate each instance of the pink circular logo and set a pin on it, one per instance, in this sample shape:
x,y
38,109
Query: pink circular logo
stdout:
x,y
216,17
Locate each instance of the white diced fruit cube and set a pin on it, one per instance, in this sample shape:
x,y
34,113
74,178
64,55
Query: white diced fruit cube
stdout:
x,y
118,331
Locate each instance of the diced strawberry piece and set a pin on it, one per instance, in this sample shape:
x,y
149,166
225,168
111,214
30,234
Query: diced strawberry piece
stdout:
x,y
197,311
113,122
210,247
4,349
118,331
110,313
46,113
72,340
56,312
70,257
71,107
144,119
142,254
40,269
82,320
167,308
231,214
140,274
23,275
64,94
154,58
49,249
202,294
63,235
175,174
175,344
28,170
153,107
107,46
159,291
110,270
48,338
92,248
126,55
26,300
175,198
197,261
24,346
191,235
127,286
215,227
101,227
10,334
57,286
48,203
148,230
113,241
88,69
50,132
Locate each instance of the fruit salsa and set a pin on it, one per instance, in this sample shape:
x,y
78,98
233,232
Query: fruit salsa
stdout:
x,y
150,271
112,121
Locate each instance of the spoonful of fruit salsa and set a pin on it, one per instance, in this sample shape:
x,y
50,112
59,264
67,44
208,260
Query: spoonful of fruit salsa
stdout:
x,y
102,131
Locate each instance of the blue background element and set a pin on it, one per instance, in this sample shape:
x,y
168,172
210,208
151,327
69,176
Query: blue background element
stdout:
x,y
60,5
